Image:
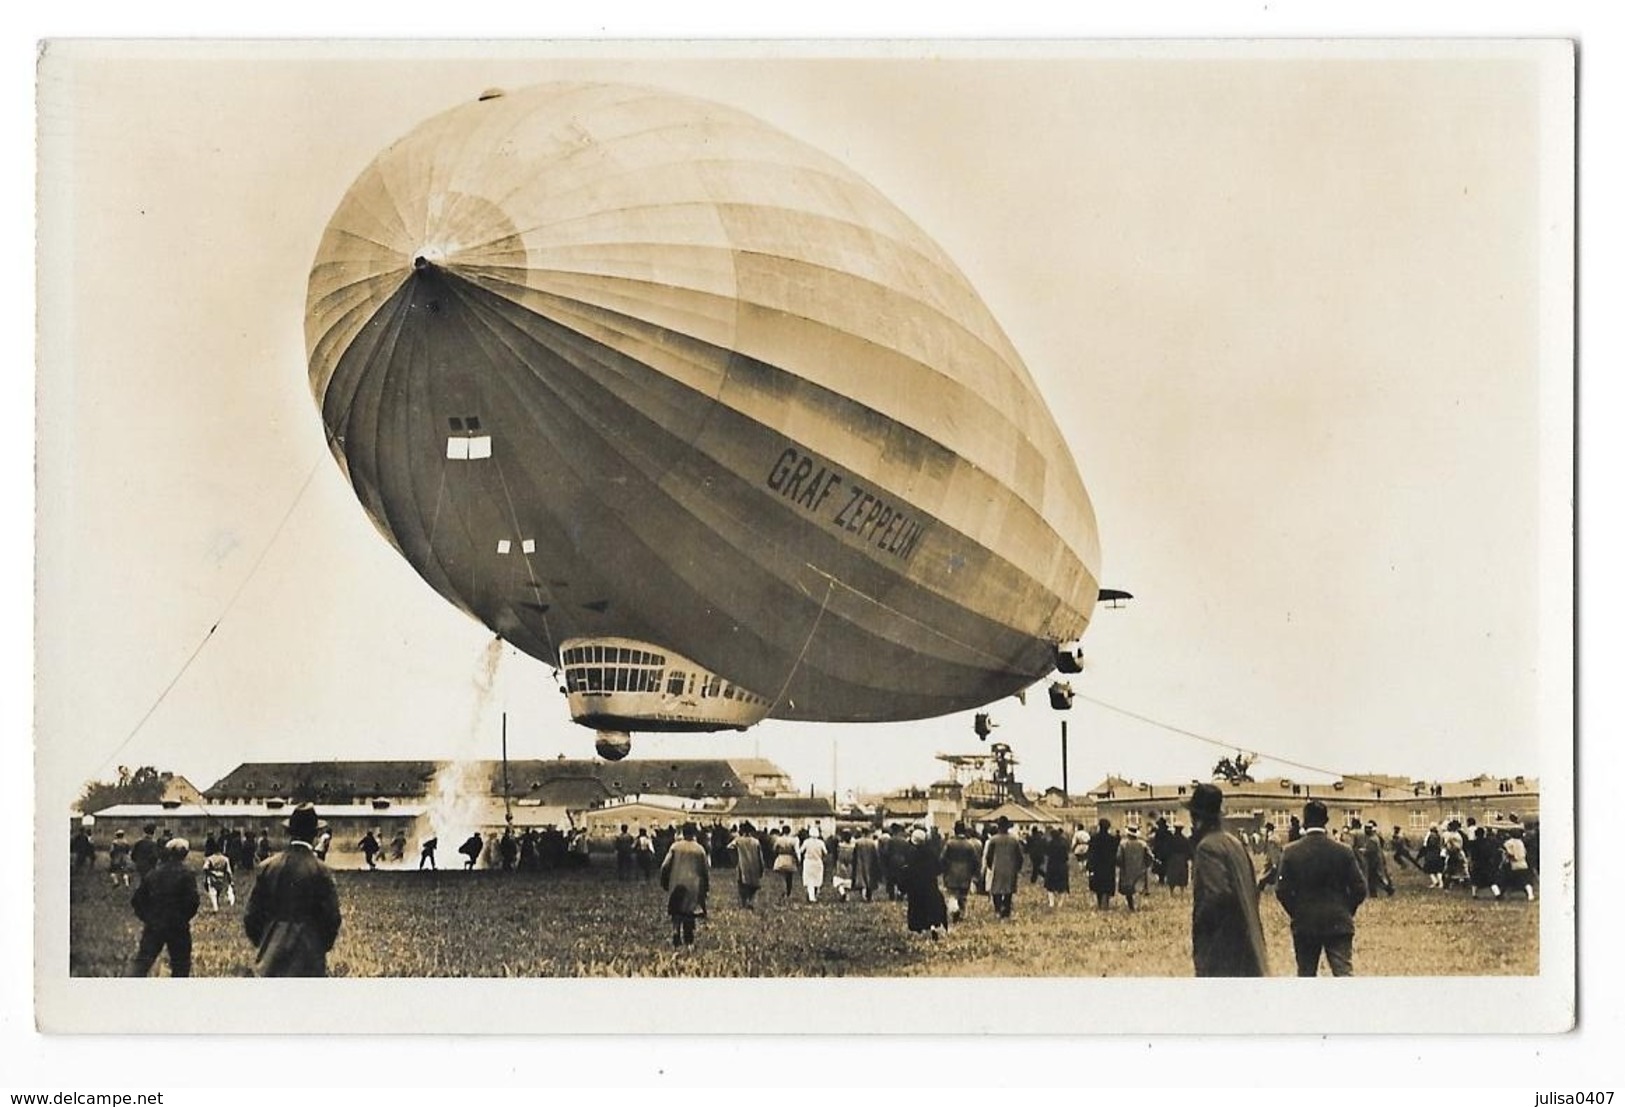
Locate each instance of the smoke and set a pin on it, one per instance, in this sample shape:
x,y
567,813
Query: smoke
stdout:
x,y
456,802
459,796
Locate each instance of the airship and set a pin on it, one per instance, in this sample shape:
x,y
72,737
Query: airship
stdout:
x,y
684,408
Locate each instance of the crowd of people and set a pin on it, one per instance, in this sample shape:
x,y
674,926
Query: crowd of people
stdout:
x,y
1319,876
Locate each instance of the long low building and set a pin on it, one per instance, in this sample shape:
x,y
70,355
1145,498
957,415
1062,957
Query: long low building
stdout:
x,y
1387,800
449,800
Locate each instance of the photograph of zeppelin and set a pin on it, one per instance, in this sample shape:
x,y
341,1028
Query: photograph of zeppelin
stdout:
x,y
1060,512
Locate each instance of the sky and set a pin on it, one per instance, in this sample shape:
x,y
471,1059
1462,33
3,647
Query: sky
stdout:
x,y
1295,314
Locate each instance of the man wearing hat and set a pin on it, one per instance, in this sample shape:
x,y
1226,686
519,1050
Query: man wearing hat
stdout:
x,y
165,902
686,875
1227,938
1001,858
1133,867
293,911
1321,886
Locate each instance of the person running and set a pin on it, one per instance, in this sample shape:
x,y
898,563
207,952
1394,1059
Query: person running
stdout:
x,y
119,865
1401,847
472,847
217,879
1518,873
369,847
426,853
1369,849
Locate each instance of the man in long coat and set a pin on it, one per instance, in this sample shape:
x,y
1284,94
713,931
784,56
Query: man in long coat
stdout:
x,y
927,911
1133,867
1322,884
867,868
1227,938
293,911
1002,859
894,853
686,875
1101,861
747,853
961,865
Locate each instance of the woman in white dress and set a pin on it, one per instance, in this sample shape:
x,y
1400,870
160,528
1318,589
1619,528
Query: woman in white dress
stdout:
x,y
812,851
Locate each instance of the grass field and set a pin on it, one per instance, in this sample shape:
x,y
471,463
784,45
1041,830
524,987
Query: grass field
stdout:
x,y
493,924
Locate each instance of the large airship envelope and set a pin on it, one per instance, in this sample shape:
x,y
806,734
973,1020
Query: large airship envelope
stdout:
x,y
609,363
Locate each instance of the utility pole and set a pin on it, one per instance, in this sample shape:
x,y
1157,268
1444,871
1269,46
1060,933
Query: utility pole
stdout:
x,y
1066,792
507,802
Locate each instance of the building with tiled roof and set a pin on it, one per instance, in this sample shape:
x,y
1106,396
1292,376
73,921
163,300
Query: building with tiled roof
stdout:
x,y
556,782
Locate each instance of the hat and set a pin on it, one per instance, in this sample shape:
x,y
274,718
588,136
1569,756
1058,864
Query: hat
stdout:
x,y
919,835
118,833
1206,800
1134,830
1004,822
1315,814
303,823
177,846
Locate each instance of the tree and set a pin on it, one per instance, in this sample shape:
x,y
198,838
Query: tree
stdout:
x,y
145,785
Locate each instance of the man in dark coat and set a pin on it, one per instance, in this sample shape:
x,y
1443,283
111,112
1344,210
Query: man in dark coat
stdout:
x,y
927,911
1227,938
1322,884
624,845
144,854
166,902
293,911
1101,861
84,849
